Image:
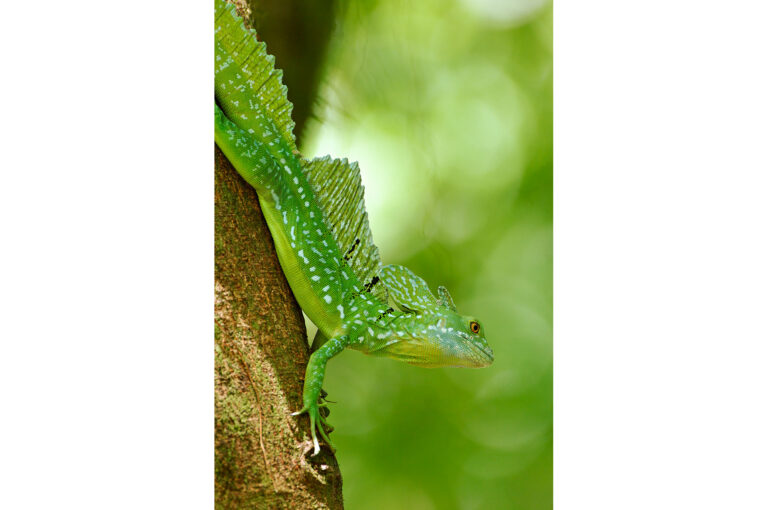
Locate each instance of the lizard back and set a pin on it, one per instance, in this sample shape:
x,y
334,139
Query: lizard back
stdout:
x,y
315,209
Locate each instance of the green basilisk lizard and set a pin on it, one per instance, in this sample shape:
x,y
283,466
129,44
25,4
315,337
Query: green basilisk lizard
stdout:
x,y
316,214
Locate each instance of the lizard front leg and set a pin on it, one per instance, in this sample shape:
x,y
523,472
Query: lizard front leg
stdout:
x,y
313,382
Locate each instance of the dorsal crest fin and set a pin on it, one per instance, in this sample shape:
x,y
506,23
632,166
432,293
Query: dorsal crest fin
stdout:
x,y
445,298
244,71
246,79
339,192
409,292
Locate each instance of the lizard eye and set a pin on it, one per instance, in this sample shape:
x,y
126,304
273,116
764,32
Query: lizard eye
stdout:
x,y
474,326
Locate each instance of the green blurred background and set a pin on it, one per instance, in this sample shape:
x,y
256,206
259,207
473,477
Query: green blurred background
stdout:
x,y
447,105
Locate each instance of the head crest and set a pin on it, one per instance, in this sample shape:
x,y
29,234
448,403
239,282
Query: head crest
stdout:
x,y
409,292
445,298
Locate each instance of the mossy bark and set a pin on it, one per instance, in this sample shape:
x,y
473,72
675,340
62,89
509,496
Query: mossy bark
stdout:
x,y
261,348
261,352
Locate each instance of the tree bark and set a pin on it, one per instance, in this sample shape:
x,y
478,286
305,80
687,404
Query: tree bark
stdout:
x,y
261,348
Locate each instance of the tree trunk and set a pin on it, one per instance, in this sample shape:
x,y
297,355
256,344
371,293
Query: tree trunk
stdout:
x,y
261,348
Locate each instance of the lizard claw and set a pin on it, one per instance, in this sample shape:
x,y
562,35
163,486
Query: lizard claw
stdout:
x,y
316,422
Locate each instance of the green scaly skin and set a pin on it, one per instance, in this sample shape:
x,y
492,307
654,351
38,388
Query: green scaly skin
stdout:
x,y
424,331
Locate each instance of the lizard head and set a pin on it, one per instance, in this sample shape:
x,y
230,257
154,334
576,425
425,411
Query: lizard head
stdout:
x,y
440,338
449,339
437,335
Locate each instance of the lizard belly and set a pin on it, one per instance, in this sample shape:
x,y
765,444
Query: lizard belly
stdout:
x,y
319,311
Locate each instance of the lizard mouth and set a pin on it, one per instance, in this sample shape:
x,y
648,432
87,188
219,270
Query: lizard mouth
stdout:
x,y
480,355
488,354
483,355
466,353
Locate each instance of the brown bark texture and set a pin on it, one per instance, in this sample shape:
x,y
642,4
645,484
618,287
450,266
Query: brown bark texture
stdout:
x,y
261,349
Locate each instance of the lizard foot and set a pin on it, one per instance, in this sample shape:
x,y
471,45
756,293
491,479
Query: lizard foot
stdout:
x,y
316,422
